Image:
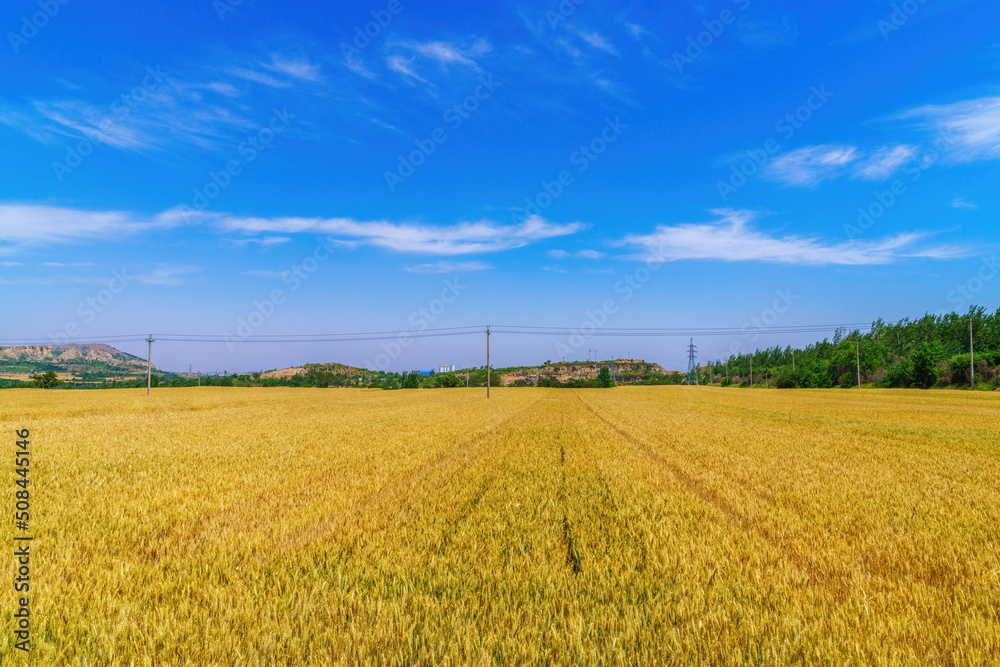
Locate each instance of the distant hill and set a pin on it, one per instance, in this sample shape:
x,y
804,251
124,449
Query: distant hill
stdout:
x,y
626,370
84,362
334,368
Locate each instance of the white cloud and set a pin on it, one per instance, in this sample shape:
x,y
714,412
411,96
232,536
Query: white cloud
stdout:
x,y
200,109
64,264
732,239
167,274
810,166
448,267
263,241
402,66
884,162
259,273
583,254
635,30
446,53
258,77
971,127
302,70
227,89
30,224
598,41
408,237
961,203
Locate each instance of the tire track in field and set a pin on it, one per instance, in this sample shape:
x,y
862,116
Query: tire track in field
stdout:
x,y
695,487
209,528
834,583
573,559
396,493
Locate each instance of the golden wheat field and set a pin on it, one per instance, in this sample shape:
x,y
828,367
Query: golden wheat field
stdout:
x,y
651,525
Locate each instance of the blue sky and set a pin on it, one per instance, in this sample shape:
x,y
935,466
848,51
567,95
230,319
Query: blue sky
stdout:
x,y
172,167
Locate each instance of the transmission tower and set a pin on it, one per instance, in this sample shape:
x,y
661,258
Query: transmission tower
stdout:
x,y
692,363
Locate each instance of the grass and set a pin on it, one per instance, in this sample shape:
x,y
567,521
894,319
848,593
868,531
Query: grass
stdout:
x,y
655,525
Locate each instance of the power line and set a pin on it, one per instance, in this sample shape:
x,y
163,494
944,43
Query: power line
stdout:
x,y
521,330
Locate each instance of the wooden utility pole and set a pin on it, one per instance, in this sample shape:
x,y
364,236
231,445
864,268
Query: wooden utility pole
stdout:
x,y
857,349
487,362
972,359
793,361
149,364
751,370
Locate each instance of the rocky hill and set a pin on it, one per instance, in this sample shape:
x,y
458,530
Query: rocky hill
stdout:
x,y
70,360
336,369
626,370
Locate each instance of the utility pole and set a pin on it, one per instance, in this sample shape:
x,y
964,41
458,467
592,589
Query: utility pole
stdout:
x,y
751,370
793,361
857,349
972,359
199,378
487,362
149,365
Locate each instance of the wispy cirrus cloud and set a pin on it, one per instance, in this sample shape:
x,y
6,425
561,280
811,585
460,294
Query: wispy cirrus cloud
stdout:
x,y
39,224
264,273
448,267
264,241
884,162
278,71
408,237
198,106
404,66
967,205
403,57
972,127
810,166
732,238
447,53
597,41
300,69
167,274
582,254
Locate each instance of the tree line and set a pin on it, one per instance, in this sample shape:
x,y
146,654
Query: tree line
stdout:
x,y
931,351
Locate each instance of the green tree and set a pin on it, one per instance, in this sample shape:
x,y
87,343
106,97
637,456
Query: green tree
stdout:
x,y
604,378
46,380
925,361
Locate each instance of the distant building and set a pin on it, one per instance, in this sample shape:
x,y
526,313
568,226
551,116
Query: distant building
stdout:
x,y
446,369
